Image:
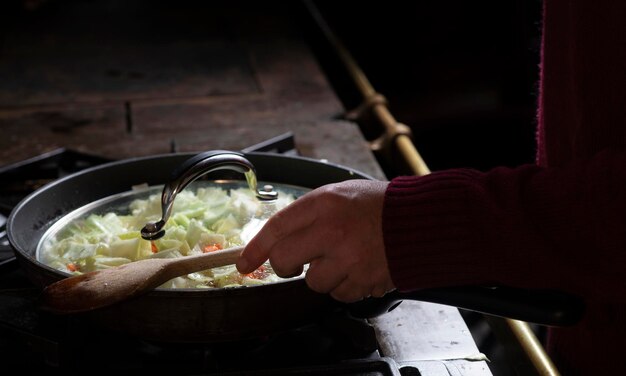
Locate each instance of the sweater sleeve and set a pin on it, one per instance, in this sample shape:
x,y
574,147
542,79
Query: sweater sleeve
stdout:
x,y
528,227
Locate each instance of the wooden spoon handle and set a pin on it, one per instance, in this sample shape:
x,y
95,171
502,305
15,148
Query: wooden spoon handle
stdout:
x,y
190,264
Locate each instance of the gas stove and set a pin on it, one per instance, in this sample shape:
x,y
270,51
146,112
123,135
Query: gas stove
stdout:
x,y
336,344
37,341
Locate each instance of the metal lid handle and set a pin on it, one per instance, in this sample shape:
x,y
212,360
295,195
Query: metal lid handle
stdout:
x,y
192,169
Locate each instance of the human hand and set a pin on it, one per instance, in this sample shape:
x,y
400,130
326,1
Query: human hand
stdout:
x,y
337,229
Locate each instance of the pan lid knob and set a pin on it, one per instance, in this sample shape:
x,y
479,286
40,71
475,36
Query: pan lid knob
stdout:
x,y
267,193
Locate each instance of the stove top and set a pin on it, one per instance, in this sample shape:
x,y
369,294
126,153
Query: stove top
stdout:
x,y
33,340
19,179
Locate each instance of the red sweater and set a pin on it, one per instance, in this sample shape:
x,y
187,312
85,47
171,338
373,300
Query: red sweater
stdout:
x,y
558,224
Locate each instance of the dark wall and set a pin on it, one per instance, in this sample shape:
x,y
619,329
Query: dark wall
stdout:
x,y
461,74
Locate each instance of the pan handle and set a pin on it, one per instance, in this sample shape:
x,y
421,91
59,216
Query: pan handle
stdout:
x,y
193,168
544,307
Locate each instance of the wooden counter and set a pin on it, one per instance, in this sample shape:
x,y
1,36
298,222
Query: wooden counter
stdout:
x,y
131,93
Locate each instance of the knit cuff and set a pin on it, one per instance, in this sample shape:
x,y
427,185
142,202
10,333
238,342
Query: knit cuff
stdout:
x,y
428,231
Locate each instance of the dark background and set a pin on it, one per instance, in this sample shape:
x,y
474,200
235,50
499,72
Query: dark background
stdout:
x,y
463,75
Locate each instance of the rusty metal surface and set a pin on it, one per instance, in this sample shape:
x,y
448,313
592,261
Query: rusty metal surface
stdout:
x,y
26,135
184,80
121,72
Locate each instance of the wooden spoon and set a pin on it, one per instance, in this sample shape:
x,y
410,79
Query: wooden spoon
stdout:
x,y
105,287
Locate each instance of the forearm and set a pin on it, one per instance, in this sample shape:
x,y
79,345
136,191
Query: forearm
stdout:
x,y
524,227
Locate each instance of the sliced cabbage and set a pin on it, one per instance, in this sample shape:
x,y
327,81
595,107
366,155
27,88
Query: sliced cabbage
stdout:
x,y
210,218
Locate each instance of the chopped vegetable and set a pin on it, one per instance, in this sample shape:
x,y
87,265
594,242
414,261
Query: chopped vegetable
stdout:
x,y
208,220
72,267
260,273
211,248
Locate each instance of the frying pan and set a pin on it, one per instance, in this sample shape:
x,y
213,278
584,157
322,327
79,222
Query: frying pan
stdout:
x,y
188,315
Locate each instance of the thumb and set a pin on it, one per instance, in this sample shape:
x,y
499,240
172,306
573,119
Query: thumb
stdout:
x,y
251,258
